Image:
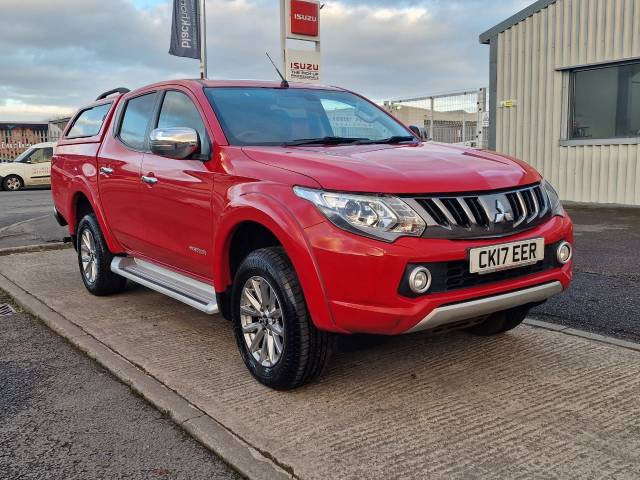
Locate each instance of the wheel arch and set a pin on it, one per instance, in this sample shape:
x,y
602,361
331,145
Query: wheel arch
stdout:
x,y
82,203
257,212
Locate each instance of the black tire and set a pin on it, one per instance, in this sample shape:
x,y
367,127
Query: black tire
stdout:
x,y
105,282
501,322
9,182
306,351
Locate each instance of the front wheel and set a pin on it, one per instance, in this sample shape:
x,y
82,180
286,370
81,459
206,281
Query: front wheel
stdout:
x,y
94,259
501,322
278,342
13,183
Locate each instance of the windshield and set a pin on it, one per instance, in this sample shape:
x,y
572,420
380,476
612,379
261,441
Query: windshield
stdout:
x,y
24,156
295,116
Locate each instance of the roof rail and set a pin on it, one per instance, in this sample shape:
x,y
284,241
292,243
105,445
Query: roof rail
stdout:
x,y
120,90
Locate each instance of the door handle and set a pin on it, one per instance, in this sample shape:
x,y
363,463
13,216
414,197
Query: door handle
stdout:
x,y
149,180
106,170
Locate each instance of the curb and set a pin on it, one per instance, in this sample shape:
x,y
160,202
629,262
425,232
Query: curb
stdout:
x,y
582,334
34,248
237,453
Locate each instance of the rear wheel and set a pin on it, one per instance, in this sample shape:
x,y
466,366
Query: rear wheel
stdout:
x,y
278,342
501,322
13,183
94,259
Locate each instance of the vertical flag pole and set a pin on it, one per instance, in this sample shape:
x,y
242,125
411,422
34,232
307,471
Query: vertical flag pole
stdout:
x,y
203,39
283,34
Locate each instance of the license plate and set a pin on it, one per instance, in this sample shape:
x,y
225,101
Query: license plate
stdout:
x,y
506,255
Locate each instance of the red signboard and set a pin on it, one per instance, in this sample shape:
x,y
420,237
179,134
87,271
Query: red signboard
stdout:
x,y
305,18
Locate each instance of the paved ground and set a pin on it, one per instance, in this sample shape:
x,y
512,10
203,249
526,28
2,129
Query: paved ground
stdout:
x,y
605,295
529,404
64,417
26,219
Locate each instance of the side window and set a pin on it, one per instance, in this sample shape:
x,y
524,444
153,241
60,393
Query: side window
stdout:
x,y
137,114
41,155
179,111
89,122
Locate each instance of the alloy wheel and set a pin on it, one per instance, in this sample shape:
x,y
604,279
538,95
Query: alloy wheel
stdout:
x,y
88,256
13,184
262,321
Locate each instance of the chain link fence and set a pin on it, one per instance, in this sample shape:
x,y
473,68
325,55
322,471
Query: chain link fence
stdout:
x,y
460,117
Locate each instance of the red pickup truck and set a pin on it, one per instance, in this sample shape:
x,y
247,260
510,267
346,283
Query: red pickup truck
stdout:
x,y
302,212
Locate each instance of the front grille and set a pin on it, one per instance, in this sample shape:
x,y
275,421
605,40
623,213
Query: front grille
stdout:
x,y
483,215
449,276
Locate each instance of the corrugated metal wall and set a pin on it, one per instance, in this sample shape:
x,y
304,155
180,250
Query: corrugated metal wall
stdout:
x,y
567,33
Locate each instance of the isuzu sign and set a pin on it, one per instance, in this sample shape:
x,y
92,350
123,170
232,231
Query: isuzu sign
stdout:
x,y
303,66
305,18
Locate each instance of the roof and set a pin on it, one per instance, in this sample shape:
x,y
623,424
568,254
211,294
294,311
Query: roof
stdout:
x,y
195,83
515,19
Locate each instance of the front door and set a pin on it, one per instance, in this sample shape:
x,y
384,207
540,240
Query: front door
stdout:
x,y
119,163
39,167
176,206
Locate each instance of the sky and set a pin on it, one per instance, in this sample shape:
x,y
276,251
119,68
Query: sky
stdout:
x,y
56,56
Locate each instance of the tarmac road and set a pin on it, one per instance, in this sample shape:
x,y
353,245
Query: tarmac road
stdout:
x,y
26,219
64,417
605,295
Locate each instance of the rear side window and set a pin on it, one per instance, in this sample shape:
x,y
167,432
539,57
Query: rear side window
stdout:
x,y
179,111
135,120
89,122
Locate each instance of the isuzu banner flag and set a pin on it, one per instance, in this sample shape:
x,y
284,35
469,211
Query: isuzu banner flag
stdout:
x,y
185,29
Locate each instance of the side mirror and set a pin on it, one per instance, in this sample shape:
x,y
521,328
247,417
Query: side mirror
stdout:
x,y
176,143
417,131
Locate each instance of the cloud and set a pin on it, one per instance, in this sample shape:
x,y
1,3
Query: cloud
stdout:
x,y
56,56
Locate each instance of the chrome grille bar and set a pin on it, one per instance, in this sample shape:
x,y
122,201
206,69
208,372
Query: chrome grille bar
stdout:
x,y
483,215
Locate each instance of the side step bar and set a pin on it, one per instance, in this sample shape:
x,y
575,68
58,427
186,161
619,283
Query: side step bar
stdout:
x,y
194,293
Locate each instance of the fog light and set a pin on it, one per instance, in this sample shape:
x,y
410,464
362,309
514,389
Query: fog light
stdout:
x,y
420,280
565,252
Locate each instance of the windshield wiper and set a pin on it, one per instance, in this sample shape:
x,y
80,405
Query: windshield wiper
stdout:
x,y
323,141
391,140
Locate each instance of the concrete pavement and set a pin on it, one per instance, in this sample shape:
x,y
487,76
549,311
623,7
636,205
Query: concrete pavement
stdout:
x,y
64,417
532,403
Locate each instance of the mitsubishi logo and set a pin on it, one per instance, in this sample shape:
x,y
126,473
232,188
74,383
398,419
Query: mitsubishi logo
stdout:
x,y
501,214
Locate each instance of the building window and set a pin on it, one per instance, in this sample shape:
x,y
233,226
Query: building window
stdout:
x,y
605,102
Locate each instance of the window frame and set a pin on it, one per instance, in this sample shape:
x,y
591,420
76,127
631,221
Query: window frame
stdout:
x,y
117,125
156,118
569,107
79,114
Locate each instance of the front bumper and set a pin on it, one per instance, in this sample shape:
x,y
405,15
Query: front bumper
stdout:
x,y
361,278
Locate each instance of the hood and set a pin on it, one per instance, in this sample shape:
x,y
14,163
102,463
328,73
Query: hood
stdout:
x,y
424,168
9,167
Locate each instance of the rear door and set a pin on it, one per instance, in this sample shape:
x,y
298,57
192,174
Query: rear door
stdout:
x,y
176,209
119,163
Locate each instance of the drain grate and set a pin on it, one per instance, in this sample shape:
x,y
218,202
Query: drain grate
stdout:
x,y
6,310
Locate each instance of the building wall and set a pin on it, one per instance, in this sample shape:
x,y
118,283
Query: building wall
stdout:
x,y
529,54
16,137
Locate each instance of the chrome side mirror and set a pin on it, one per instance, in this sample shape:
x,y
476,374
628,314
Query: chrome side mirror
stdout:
x,y
176,143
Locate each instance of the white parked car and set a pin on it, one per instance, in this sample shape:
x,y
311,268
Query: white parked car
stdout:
x,y
31,168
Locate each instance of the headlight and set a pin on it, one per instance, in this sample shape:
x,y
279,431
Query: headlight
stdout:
x,y
554,199
382,217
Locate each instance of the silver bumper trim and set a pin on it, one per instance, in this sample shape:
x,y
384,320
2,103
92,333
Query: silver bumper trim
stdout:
x,y
484,306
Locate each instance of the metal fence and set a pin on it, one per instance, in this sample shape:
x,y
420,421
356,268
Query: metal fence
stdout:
x,y
460,117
